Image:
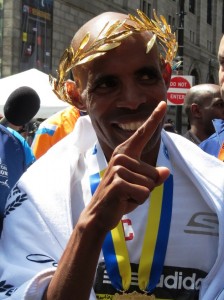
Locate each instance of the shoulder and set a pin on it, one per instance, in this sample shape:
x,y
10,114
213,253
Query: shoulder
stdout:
x,y
5,131
191,153
17,135
68,113
28,153
10,138
211,145
61,166
196,165
75,143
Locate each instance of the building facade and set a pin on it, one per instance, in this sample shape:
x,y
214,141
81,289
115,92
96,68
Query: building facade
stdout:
x,y
34,33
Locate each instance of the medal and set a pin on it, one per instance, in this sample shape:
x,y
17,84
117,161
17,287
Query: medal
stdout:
x,y
155,241
133,296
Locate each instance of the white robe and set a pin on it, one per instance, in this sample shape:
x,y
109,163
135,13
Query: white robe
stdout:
x,y
37,228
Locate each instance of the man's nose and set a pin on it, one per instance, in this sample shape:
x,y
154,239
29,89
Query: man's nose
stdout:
x,y
131,97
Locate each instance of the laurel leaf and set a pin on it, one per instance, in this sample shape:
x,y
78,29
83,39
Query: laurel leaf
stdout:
x,y
151,43
136,20
163,19
120,37
108,46
109,38
112,28
84,41
90,58
143,16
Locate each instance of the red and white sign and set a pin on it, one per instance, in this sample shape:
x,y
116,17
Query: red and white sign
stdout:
x,y
179,85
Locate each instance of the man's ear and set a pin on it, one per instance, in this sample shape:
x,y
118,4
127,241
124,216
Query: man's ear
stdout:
x,y
195,110
167,72
74,95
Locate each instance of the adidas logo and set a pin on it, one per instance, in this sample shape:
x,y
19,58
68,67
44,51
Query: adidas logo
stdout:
x,y
178,281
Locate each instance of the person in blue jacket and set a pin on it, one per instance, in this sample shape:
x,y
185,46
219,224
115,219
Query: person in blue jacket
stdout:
x,y
214,144
15,157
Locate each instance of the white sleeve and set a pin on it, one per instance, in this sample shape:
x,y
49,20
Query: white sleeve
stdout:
x,y
29,253
30,246
38,221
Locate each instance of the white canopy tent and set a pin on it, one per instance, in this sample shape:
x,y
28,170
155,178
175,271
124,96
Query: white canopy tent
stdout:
x,y
49,102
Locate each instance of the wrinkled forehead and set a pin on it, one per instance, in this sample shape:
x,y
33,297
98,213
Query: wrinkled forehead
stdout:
x,y
96,25
131,51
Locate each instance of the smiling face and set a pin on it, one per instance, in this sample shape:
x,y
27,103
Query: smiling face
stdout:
x,y
120,90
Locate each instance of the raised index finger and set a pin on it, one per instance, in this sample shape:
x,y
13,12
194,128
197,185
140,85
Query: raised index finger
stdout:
x,y
134,146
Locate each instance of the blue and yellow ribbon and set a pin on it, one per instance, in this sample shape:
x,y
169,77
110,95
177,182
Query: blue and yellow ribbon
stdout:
x,y
154,245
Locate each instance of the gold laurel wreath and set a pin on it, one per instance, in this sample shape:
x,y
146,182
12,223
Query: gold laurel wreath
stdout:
x,y
109,38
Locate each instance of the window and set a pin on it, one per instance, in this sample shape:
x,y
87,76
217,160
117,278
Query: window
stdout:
x,y
149,10
209,12
209,45
194,73
146,8
192,36
192,6
36,35
173,24
170,20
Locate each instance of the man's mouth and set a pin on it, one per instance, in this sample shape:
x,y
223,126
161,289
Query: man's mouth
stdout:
x,y
132,126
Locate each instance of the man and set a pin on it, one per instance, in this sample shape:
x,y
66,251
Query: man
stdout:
x,y
118,211
53,129
15,157
170,126
202,104
214,144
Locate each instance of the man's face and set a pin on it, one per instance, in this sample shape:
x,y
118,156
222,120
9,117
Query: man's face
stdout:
x,y
213,108
120,91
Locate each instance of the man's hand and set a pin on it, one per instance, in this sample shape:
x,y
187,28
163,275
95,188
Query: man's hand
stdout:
x,y
127,182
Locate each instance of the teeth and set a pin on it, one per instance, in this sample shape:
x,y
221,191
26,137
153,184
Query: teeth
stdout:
x,y
130,126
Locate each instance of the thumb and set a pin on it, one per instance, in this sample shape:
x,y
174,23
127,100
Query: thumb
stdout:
x,y
163,174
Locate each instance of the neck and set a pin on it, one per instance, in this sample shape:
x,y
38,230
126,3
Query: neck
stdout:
x,y
200,134
149,153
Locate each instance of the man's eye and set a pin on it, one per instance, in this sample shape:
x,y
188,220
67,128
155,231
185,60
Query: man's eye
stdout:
x,y
106,83
221,62
220,104
148,77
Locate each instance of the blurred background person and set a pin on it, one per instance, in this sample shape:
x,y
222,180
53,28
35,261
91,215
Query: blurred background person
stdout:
x,y
15,153
15,157
170,126
53,129
214,144
202,104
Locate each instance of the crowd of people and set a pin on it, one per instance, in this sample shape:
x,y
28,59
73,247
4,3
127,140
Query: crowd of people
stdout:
x,y
117,204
